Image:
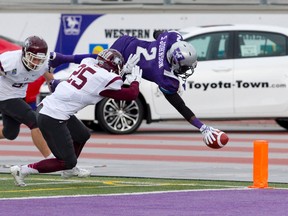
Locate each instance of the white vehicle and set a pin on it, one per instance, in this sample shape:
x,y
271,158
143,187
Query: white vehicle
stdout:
x,y
242,73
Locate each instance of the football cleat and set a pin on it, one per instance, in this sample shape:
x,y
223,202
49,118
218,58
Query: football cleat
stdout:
x,y
76,171
18,176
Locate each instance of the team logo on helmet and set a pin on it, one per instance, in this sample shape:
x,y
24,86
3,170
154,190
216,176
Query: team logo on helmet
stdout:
x,y
183,59
177,55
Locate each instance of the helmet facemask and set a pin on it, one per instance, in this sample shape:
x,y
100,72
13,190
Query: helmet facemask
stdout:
x,y
34,53
183,59
33,61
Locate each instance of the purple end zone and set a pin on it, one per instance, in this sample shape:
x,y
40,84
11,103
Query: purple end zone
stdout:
x,y
264,202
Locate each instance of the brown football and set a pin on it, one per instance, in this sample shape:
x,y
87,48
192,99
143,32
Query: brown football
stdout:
x,y
221,140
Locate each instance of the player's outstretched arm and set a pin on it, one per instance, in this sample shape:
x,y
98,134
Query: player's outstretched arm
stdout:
x,y
207,131
56,59
126,93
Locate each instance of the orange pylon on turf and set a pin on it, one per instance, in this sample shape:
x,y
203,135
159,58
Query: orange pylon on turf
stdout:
x,y
260,164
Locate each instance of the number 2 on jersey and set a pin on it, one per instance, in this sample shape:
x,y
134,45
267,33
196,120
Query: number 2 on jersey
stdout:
x,y
144,52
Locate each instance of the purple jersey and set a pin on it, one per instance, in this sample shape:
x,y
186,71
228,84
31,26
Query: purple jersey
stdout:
x,y
153,60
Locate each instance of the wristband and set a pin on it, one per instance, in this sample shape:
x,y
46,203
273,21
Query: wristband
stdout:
x,y
196,122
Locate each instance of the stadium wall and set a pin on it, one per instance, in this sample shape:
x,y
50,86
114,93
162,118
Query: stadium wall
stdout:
x,y
139,20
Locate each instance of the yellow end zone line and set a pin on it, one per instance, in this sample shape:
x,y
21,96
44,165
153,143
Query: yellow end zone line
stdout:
x,y
115,183
55,189
119,183
108,184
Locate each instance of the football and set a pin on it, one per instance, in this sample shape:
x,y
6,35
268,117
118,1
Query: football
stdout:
x,y
221,140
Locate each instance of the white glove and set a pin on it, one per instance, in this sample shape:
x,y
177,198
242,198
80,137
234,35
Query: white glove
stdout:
x,y
131,62
208,133
135,75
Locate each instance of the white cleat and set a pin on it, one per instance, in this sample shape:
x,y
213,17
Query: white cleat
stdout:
x,y
76,171
18,176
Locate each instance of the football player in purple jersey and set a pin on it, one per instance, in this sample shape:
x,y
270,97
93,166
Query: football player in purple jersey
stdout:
x,y
164,61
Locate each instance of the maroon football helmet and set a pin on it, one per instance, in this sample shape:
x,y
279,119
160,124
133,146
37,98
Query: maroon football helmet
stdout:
x,y
111,60
34,52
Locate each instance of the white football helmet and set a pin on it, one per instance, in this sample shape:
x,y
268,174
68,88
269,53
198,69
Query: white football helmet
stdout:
x,y
183,59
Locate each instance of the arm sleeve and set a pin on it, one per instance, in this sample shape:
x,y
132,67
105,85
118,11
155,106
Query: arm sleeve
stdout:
x,y
176,101
79,57
56,59
130,93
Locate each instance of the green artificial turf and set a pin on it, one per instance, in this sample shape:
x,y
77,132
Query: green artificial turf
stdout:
x,y
53,185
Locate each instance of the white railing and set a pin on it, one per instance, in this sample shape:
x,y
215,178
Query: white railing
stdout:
x,y
147,2
23,2
214,2
121,2
277,2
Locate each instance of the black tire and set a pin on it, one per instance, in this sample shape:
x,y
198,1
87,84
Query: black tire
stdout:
x,y
119,117
283,122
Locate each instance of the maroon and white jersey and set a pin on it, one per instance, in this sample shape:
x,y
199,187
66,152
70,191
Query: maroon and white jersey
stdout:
x,y
14,77
81,89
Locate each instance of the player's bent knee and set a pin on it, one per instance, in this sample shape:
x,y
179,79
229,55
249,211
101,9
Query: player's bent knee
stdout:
x,y
86,137
32,121
83,137
70,164
10,135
